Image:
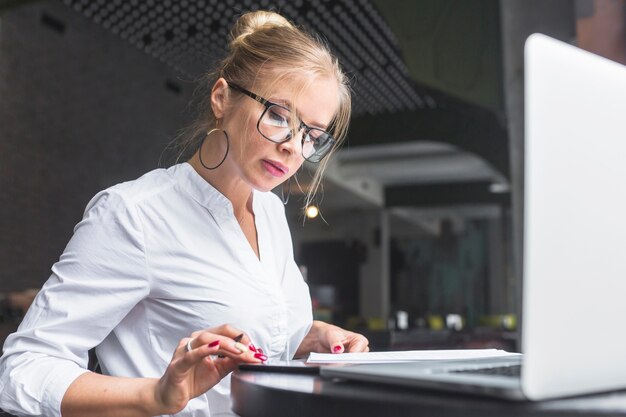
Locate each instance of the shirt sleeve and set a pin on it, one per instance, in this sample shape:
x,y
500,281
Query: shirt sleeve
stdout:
x,y
99,278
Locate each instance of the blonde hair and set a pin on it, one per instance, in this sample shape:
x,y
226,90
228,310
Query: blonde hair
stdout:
x,y
266,49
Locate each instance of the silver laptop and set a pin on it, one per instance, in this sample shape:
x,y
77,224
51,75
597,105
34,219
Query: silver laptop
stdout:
x,y
574,283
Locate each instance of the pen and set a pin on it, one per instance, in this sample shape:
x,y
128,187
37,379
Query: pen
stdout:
x,y
237,339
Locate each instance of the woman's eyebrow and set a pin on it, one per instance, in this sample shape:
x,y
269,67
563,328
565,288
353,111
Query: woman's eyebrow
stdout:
x,y
316,125
282,102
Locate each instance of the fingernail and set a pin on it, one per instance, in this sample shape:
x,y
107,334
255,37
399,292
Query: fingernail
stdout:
x,y
259,350
214,343
260,356
241,348
252,348
337,348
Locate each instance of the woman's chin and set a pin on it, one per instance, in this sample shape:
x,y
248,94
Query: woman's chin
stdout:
x,y
265,184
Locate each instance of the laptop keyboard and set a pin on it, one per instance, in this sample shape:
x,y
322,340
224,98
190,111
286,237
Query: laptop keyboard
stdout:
x,y
512,370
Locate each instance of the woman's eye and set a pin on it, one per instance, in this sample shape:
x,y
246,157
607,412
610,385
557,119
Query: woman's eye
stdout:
x,y
277,119
315,136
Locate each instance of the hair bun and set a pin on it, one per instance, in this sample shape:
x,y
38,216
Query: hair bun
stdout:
x,y
250,22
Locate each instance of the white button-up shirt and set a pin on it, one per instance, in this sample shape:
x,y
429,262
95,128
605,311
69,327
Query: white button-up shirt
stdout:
x,y
152,261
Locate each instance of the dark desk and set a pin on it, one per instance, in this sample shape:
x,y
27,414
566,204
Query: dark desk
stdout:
x,y
257,394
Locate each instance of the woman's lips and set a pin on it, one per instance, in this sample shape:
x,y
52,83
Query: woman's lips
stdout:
x,y
275,168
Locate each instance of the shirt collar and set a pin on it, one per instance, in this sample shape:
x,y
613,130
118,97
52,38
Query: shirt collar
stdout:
x,y
200,189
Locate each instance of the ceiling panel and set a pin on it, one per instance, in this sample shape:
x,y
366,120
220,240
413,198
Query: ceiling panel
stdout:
x,y
191,36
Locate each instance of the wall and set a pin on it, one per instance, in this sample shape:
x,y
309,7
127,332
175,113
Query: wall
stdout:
x,y
519,19
80,110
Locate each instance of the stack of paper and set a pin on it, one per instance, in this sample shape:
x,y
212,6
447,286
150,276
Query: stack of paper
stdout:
x,y
407,356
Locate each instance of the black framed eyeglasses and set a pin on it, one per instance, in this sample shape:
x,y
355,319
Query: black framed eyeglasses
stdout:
x,y
276,124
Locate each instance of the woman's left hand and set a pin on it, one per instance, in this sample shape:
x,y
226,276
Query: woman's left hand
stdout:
x,y
324,337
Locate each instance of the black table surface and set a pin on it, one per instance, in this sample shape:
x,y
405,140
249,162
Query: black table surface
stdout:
x,y
260,394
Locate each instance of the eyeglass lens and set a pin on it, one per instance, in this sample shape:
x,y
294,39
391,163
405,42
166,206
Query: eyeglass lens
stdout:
x,y
277,124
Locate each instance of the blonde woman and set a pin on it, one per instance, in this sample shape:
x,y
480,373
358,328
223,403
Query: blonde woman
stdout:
x,y
157,264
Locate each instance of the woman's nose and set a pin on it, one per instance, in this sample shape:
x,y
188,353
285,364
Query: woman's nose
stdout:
x,y
294,144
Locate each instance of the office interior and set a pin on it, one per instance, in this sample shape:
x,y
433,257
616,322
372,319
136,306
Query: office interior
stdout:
x,y
417,238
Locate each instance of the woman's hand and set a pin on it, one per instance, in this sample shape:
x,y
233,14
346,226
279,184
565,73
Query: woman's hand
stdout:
x,y
324,337
193,372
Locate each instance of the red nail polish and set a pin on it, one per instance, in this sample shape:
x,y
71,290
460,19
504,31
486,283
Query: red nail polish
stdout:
x,y
259,350
336,348
214,343
260,356
253,348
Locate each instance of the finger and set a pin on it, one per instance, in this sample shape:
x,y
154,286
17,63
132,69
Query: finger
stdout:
x,y
246,341
236,334
225,330
182,344
238,351
206,337
248,357
336,340
208,340
231,332
232,349
242,338
197,353
224,365
358,344
218,349
191,343
228,331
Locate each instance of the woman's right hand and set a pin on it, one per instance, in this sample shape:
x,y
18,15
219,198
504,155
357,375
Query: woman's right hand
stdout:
x,y
192,373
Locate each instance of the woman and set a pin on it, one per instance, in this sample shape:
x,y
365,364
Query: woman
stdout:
x,y
202,243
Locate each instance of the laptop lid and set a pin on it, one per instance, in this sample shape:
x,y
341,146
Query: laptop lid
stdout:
x,y
574,221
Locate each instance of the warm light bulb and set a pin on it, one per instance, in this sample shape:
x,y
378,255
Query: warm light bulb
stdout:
x,y
312,212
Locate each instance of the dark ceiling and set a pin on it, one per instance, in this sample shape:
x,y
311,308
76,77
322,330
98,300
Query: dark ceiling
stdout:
x,y
191,36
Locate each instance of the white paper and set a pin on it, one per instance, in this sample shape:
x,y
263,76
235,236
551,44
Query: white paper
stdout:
x,y
407,356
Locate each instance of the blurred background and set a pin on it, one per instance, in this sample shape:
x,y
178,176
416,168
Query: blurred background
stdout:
x,y
417,240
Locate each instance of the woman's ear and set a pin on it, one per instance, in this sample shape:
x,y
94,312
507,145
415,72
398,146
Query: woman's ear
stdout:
x,y
219,94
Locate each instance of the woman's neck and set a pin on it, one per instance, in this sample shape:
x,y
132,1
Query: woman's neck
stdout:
x,y
231,186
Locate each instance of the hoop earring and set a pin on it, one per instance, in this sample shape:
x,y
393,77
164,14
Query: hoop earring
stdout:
x,y
282,191
225,155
